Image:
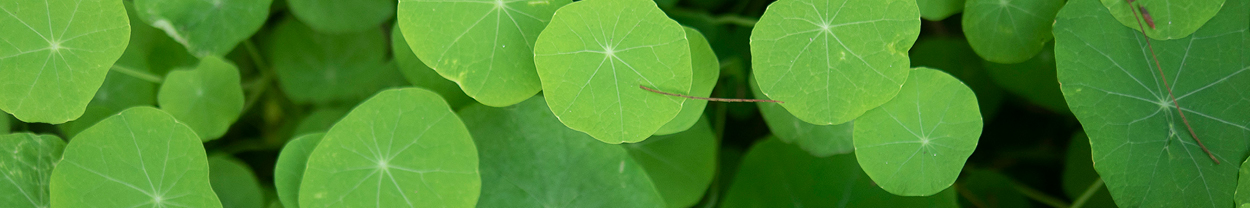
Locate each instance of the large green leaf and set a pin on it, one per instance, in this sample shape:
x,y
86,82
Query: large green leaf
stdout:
x,y
1141,145
916,144
706,71
819,140
937,10
1079,174
421,75
56,55
1009,31
635,45
953,55
139,157
205,27
1173,19
401,148
289,170
485,46
208,98
1034,79
321,68
775,174
530,159
681,164
339,16
28,163
234,183
799,46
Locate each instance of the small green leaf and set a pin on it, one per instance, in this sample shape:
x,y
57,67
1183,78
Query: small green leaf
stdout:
x,y
234,182
483,45
56,55
992,189
323,68
423,76
208,98
594,56
775,174
529,159
706,68
139,157
401,148
205,27
819,140
1079,174
1009,31
320,120
955,56
27,165
937,10
832,60
916,144
1173,18
289,170
1034,79
681,164
338,16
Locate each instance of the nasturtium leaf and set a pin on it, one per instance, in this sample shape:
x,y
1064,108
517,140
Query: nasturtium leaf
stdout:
x,y
832,60
400,148
234,182
1242,195
485,46
56,55
916,144
208,98
139,157
423,76
1079,174
27,164
706,71
6,124
121,90
594,56
530,159
937,10
953,55
289,170
320,120
315,67
1009,31
1141,145
819,140
339,16
680,165
1173,19
775,174
990,189
205,27
1034,79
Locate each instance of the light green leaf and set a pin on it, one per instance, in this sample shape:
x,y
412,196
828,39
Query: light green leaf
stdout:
x,y
819,140
56,55
1079,174
953,55
1034,79
1140,143
423,76
338,16
234,183
832,60
401,148
1242,195
320,120
121,90
992,189
774,174
485,46
916,144
323,68
289,170
595,55
139,157
28,163
205,27
1173,19
706,70
937,10
208,98
529,159
1009,31
680,165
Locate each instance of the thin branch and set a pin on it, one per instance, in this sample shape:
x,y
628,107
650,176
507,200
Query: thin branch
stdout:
x,y
1089,193
137,74
736,20
730,100
265,75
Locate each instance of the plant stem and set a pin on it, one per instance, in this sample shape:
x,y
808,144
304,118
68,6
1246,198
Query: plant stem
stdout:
x,y
265,75
736,20
729,100
1039,196
137,74
1089,193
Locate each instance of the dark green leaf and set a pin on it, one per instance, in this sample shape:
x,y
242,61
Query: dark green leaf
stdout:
x,y
338,16
234,182
819,140
681,164
321,68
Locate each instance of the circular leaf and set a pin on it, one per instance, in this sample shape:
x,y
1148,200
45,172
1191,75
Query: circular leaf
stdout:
x,y
337,16
1173,19
819,140
28,162
289,170
205,27
423,76
706,68
234,182
681,164
208,98
1009,31
937,10
323,68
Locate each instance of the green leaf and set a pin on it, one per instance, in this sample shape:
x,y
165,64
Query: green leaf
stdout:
x,y
1079,174
1009,31
1242,195
205,27
1034,79
121,90
1173,19
706,70
338,17
423,76
320,120
774,174
955,56
830,65
680,165
139,157
1140,143
635,45
289,170
324,68
27,165
529,159
5,123
208,98
819,140
234,182
56,55
992,189
403,147
485,46
916,144
937,10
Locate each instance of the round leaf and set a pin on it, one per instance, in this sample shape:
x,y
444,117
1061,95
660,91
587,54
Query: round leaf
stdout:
x,y
205,27
1009,31
322,68
1173,19
56,54
594,56
338,16
955,56
680,165
208,98
234,183
139,157
706,68
916,144
289,170
832,60
937,10
819,140
28,162
423,76
401,148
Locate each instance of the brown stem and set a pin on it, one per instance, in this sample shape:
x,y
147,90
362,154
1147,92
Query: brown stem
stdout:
x,y
732,100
